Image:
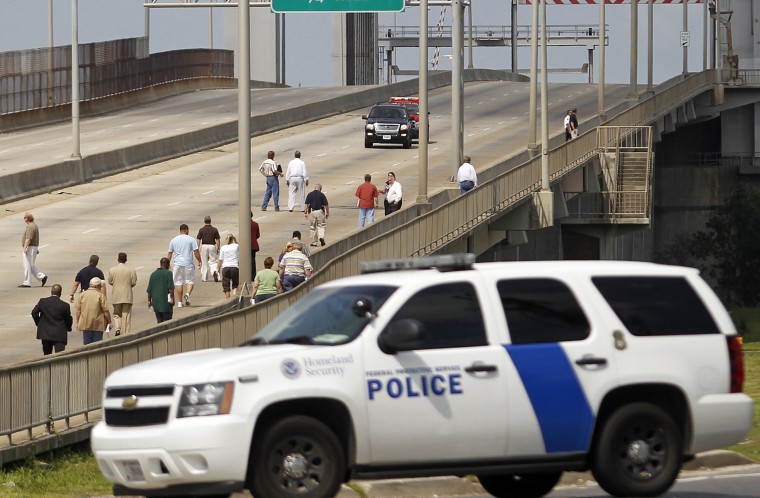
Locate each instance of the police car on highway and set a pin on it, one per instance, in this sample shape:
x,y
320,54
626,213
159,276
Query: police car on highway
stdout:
x,y
513,372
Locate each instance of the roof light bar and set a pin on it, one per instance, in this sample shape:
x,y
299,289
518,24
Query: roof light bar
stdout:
x,y
444,262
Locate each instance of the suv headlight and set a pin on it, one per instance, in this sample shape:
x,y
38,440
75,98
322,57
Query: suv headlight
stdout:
x,y
213,398
370,127
404,127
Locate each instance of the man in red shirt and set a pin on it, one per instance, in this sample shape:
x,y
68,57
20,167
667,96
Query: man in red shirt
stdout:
x,y
255,234
367,194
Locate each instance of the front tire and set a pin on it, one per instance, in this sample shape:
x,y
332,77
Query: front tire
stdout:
x,y
520,485
638,452
297,456
367,144
408,143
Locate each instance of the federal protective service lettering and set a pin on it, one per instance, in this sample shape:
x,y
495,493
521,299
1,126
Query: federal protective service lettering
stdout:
x,y
423,383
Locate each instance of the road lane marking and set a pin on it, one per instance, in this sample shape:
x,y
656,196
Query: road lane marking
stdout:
x,y
90,230
209,192
174,203
133,217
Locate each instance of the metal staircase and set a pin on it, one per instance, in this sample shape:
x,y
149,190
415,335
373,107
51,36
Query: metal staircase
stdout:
x,y
620,190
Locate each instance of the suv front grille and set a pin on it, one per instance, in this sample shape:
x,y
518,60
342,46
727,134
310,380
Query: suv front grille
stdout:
x,y
138,417
386,129
132,411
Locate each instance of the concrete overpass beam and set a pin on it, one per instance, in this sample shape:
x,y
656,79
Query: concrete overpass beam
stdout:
x,y
656,132
536,213
681,118
669,121
691,113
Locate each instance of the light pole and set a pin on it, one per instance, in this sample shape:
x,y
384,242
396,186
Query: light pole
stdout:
x,y
244,138
633,93
544,105
457,84
422,164
602,40
75,149
533,83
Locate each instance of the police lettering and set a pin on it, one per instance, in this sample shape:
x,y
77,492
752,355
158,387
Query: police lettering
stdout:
x,y
414,387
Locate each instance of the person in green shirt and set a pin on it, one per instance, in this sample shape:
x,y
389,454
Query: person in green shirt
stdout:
x,y
267,282
161,292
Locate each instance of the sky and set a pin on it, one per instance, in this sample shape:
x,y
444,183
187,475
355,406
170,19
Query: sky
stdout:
x,y
24,25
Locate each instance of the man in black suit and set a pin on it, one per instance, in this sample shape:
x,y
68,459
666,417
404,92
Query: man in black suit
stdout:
x,y
53,318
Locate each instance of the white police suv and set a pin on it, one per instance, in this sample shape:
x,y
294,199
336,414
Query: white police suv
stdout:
x,y
514,372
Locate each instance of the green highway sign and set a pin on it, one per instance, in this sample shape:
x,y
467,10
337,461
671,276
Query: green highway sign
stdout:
x,y
337,5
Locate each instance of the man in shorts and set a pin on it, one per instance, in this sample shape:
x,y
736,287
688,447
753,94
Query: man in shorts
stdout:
x,y
183,247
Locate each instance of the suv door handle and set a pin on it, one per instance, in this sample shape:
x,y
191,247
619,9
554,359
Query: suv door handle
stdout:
x,y
480,368
590,360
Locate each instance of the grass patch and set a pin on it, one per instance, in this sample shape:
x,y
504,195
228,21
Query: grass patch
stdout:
x,y
747,322
750,447
69,472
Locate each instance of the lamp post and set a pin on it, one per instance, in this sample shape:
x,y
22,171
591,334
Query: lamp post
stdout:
x,y
422,168
457,84
244,138
75,149
533,82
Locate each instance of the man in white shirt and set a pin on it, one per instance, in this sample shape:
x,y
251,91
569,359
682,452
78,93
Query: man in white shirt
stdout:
x,y
466,176
297,179
393,194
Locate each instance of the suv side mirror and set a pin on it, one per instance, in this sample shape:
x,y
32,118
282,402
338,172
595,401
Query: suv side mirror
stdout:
x,y
362,307
364,116
401,335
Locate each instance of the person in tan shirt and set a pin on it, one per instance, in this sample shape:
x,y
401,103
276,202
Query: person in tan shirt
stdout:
x,y
122,279
92,312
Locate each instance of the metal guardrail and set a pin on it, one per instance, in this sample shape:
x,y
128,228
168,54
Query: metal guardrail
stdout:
x,y
48,390
589,205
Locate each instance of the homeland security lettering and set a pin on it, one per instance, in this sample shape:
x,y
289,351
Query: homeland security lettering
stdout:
x,y
328,365
414,387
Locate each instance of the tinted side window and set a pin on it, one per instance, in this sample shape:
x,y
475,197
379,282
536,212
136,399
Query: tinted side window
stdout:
x,y
449,314
541,310
656,305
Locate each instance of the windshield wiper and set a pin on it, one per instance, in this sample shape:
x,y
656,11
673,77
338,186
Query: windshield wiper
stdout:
x,y
299,339
255,341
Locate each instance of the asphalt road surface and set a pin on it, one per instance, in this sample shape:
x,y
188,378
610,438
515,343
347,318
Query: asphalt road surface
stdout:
x,y
140,211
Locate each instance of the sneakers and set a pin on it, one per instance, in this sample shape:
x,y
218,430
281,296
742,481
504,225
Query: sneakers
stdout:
x,y
187,299
24,286
179,304
216,276
277,210
44,281
322,241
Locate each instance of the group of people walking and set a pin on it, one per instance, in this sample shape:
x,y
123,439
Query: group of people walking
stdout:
x,y
172,283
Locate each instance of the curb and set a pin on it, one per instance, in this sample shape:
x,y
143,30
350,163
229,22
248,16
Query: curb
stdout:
x,y
466,486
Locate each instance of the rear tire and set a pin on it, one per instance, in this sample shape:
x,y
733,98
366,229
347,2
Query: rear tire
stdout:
x,y
296,457
520,485
638,451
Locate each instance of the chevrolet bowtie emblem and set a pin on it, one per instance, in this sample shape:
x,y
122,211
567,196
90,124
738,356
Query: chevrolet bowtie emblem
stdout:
x,y
129,403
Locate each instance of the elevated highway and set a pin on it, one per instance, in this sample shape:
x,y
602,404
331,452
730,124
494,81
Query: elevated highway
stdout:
x,y
140,217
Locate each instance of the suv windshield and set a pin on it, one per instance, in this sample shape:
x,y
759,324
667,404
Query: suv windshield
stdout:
x,y
324,316
388,112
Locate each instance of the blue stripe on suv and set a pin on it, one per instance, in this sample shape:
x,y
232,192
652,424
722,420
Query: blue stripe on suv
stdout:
x,y
558,400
